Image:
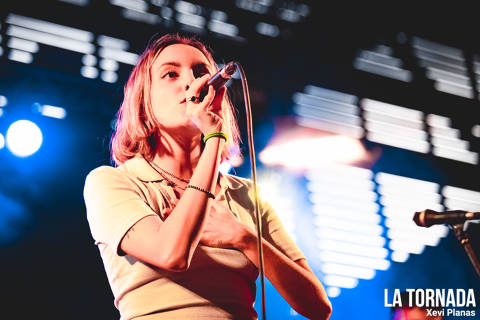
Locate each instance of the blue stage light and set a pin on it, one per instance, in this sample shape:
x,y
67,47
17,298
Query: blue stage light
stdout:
x,y
24,138
2,141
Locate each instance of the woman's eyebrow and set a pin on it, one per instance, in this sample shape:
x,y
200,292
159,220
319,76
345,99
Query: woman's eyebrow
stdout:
x,y
170,63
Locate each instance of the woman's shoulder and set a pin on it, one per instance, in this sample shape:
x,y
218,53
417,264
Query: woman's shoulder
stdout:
x,y
106,175
236,182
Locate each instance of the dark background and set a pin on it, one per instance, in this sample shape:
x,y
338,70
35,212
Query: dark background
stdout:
x,y
51,268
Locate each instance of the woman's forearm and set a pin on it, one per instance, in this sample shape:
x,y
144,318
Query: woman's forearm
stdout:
x,y
181,232
298,286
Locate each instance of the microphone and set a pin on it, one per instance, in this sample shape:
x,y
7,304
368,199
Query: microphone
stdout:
x,y
427,218
220,78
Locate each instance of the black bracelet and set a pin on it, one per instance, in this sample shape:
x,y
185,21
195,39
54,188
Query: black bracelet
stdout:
x,y
209,194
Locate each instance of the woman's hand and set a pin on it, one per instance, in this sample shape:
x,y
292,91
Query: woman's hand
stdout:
x,y
223,230
205,114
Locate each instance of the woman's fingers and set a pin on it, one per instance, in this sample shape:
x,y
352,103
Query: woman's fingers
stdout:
x,y
197,86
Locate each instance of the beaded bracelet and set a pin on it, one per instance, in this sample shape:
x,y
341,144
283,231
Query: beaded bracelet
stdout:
x,y
209,194
215,134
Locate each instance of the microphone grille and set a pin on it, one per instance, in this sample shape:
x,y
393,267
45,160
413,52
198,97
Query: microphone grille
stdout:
x,y
230,68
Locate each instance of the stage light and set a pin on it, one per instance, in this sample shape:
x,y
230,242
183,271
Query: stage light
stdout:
x,y
89,60
349,271
382,62
2,141
367,262
476,131
312,152
49,111
24,45
225,167
340,281
89,72
20,56
118,55
333,292
24,138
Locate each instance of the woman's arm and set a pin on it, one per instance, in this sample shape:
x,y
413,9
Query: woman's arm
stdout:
x,y
295,281
170,244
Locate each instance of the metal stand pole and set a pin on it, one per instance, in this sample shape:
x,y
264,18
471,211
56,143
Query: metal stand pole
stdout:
x,y
462,237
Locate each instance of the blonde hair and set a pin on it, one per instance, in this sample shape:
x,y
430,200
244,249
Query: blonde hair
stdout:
x,y
136,129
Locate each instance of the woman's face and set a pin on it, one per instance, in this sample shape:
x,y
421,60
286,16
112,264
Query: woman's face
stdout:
x,y
172,72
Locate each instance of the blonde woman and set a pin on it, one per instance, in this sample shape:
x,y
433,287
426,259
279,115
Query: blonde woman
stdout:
x,y
177,238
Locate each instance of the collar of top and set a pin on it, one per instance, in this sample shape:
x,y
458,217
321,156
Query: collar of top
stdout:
x,y
140,168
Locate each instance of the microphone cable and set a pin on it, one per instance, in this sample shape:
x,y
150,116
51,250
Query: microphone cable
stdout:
x,y
251,148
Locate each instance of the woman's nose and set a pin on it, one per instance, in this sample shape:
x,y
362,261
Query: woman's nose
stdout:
x,y
188,79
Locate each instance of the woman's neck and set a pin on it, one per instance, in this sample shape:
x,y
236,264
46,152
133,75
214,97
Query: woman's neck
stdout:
x,y
178,153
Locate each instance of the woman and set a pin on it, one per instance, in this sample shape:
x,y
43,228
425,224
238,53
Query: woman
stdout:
x,y
176,238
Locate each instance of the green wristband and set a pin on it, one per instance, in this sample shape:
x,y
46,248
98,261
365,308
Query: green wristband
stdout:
x,y
215,134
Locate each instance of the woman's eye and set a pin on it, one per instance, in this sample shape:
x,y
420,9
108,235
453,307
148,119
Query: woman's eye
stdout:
x,y
171,74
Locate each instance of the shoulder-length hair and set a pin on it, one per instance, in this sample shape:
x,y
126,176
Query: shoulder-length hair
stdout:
x,y
136,128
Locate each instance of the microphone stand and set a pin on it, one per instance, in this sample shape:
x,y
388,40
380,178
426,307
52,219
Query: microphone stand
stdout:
x,y
462,237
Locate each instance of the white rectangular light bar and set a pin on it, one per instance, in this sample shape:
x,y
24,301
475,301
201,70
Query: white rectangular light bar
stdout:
x,y
141,16
383,58
379,117
49,27
351,216
476,130
222,27
328,110
445,65
461,199
24,45
446,76
427,62
359,238
395,141
331,126
340,281
392,110
325,103
396,130
405,183
367,262
330,94
342,224
382,69
118,55
20,56
455,204
345,247
461,194
191,20
328,115
111,42
444,132
447,142
453,88
51,40
82,3
349,271
138,5
411,247
437,48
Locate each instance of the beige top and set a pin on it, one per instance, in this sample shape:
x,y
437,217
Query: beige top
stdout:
x,y
219,284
